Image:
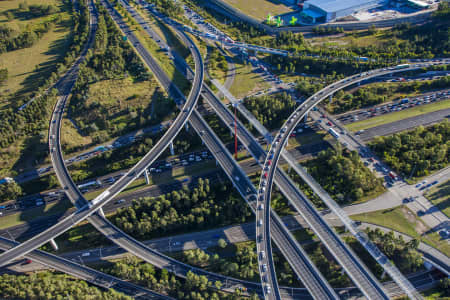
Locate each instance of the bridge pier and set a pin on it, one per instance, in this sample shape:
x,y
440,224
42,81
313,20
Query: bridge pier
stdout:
x,y
172,150
147,178
306,117
54,245
101,213
331,98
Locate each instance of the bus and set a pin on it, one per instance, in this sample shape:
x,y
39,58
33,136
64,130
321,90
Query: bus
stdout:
x,y
403,66
333,133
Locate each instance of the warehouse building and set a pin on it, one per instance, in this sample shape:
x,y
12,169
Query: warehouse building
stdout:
x,y
317,11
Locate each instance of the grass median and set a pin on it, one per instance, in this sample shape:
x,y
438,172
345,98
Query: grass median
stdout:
x,y
398,116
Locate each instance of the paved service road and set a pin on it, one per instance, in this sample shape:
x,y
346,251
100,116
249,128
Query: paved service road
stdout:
x,y
405,124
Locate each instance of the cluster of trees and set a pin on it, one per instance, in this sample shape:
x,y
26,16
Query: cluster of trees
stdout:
x,y
271,110
444,286
217,61
381,92
406,41
3,75
9,191
243,265
173,9
322,30
418,152
194,287
33,120
37,10
47,285
343,175
319,65
404,254
201,207
287,40
12,40
113,58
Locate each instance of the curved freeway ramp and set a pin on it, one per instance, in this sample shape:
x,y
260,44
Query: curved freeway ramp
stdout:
x,y
123,182
90,275
359,273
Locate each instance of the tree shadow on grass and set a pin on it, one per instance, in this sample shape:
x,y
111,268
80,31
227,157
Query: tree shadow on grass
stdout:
x,y
33,153
42,72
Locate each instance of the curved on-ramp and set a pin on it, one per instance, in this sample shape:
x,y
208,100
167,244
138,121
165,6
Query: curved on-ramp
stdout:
x,y
122,183
360,275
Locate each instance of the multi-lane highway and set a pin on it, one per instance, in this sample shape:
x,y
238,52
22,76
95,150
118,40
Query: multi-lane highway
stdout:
x,y
356,270
132,174
90,275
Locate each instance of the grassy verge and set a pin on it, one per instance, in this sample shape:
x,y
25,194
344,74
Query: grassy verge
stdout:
x,y
440,196
404,220
28,68
398,116
259,8
246,81
34,213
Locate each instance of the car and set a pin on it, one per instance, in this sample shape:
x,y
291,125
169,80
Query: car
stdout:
x,y
264,267
434,182
265,175
420,213
444,233
261,207
85,254
236,177
260,222
418,185
27,262
262,254
120,201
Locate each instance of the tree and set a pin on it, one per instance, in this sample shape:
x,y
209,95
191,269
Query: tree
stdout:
x,y
222,243
10,191
3,75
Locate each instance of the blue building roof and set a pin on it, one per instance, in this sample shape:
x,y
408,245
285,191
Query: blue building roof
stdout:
x,y
330,6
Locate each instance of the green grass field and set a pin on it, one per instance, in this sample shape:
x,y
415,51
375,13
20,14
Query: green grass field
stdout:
x,y
260,8
399,115
28,68
70,137
404,220
246,81
440,196
34,213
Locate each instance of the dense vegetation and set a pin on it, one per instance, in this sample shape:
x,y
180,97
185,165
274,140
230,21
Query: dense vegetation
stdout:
x,y
9,191
33,119
114,59
418,152
46,285
381,92
343,175
404,254
272,110
199,208
194,287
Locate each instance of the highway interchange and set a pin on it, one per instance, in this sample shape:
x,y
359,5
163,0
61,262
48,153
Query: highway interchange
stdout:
x,y
188,112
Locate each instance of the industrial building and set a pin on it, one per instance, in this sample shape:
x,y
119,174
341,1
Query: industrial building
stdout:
x,y
317,11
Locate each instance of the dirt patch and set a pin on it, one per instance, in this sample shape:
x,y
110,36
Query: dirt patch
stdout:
x,y
420,227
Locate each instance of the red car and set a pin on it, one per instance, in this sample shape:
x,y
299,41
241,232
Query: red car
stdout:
x,y
269,162
329,123
265,175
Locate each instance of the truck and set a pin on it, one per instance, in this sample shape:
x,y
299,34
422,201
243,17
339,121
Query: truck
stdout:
x,y
333,133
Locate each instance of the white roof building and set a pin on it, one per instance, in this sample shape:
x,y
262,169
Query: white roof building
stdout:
x,y
330,10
